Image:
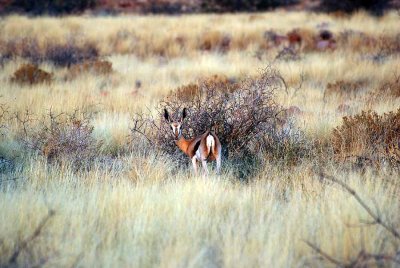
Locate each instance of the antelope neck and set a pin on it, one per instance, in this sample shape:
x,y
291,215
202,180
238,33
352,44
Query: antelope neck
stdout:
x,y
182,143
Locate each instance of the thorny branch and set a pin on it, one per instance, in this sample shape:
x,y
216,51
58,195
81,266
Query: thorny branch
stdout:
x,y
24,244
375,216
363,257
237,111
361,260
323,254
60,136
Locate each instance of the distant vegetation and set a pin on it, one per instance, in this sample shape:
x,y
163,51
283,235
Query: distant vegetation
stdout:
x,y
307,111
181,6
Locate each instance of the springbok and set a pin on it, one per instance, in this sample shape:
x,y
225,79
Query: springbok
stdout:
x,y
203,148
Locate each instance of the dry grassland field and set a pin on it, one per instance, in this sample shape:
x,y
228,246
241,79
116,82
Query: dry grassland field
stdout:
x,y
306,107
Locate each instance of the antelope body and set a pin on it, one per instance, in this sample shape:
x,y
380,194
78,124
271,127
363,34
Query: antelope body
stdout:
x,y
203,148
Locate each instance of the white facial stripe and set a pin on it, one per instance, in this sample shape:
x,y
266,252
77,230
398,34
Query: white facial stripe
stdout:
x,y
176,129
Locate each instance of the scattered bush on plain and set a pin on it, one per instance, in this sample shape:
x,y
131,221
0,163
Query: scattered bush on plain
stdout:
x,y
214,40
31,74
243,5
343,88
60,137
48,6
349,6
243,114
4,117
60,54
69,54
387,91
298,40
96,67
369,138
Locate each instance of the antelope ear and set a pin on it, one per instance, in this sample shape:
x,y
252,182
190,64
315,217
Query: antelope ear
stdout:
x,y
184,113
166,115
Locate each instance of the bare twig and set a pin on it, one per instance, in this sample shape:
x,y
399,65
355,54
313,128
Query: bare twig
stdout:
x,y
24,119
324,254
363,257
12,179
35,234
239,112
376,217
360,261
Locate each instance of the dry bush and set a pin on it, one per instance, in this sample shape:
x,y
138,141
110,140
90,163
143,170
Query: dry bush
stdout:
x,y
60,137
274,39
388,90
356,41
6,162
4,117
344,88
69,53
349,6
236,115
189,92
60,54
307,38
389,45
369,138
25,47
382,45
31,74
242,5
40,7
214,40
4,58
96,67
288,54
244,115
5,54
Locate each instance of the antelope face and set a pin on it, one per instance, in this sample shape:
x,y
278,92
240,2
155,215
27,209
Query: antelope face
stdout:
x,y
176,126
176,129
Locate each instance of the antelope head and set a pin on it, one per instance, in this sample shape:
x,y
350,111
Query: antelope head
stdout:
x,y
176,126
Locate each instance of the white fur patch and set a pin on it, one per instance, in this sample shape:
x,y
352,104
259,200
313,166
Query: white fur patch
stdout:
x,y
198,155
176,129
210,142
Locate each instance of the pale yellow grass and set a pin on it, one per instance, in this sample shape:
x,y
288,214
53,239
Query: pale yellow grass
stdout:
x,y
178,221
157,34
143,211
158,78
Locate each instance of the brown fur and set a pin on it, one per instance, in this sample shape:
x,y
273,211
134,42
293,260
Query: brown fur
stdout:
x,y
199,143
188,146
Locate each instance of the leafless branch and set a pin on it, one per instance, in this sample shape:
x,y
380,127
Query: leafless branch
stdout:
x,y
24,244
374,215
60,136
363,258
12,179
324,254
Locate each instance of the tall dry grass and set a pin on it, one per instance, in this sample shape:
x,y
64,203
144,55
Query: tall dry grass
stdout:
x,y
136,207
156,217
191,34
